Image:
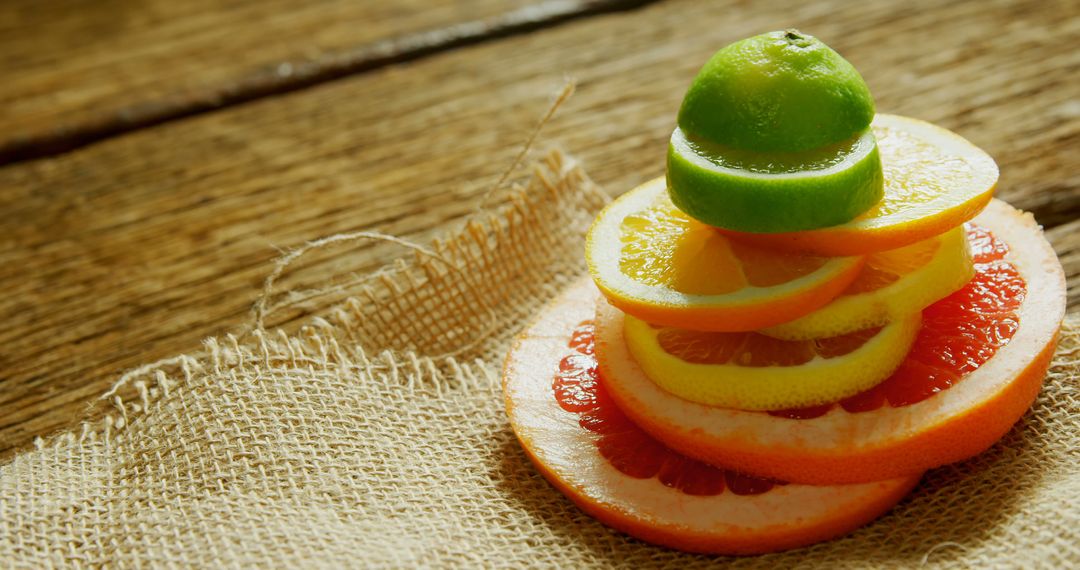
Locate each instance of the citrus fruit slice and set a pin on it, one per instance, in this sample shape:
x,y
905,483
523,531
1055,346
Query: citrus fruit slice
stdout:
x,y
751,371
773,192
976,366
583,444
658,264
773,136
892,284
934,181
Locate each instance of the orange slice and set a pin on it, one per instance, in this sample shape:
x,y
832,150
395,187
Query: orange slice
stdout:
x,y
751,371
658,264
935,180
892,285
975,368
583,444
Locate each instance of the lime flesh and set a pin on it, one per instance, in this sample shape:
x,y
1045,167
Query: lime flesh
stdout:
x,y
779,192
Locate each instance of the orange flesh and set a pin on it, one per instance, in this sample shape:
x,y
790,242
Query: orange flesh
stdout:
x,y
842,242
578,389
921,186
661,266
885,268
768,268
663,246
959,333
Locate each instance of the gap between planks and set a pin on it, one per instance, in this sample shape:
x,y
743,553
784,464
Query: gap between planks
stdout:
x,y
290,76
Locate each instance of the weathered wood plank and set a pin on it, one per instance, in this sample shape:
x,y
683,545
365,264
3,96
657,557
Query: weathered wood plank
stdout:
x,y
136,248
75,75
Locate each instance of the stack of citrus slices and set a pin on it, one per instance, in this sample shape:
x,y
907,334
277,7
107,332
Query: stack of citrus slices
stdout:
x,y
815,306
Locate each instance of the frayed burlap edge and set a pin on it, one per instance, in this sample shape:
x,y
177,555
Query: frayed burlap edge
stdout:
x,y
425,337
376,318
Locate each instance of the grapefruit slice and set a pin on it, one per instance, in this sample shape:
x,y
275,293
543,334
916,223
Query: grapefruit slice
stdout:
x,y
583,444
976,366
935,180
751,371
893,284
662,266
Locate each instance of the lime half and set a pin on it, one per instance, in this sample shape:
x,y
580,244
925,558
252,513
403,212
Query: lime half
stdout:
x,y
783,91
774,136
773,192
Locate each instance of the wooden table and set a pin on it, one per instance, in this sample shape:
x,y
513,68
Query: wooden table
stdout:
x,y
157,155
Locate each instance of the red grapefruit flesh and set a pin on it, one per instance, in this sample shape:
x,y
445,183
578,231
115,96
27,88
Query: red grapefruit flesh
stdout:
x,y
959,334
976,367
588,449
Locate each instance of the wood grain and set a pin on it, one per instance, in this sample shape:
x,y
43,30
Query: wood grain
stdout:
x,y
137,247
77,73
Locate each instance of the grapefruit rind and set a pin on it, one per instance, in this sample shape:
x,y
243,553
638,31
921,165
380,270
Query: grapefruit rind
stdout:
x,y
819,381
748,308
787,516
841,447
948,270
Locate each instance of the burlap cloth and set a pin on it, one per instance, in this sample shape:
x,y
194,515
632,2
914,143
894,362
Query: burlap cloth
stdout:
x,y
376,437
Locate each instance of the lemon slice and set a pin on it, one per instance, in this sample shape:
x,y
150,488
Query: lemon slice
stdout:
x,y
751,371
892,284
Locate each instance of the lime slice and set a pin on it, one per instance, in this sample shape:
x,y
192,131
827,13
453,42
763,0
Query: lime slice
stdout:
x,y
780,192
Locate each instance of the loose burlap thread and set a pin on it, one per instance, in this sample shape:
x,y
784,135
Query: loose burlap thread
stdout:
x,y
375,436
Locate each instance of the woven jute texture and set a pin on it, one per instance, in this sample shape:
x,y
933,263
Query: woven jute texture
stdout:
x,y
375,437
